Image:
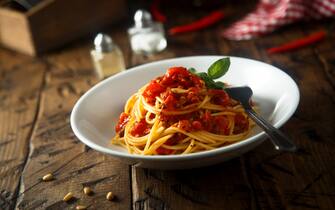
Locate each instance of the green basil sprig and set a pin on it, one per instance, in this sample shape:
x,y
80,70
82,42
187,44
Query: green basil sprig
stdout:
x,y
215,71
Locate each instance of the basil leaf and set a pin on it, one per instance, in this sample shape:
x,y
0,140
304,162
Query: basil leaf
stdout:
x,y
219,68
219,85
211,85
192,70
204,76
208,81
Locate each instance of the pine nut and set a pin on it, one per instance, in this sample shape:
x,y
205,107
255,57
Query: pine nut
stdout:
x,y
68,197
80,207
110,196
47,177
87,191
65,92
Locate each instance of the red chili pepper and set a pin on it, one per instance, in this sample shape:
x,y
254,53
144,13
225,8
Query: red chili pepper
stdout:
x,y
298,43
158,15
204,22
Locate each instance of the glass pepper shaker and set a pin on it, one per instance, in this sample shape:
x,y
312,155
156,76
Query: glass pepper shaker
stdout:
x,y
107,56
146,36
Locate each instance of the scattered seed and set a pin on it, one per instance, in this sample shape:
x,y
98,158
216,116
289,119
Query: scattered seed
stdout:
x,y
68,197
65,91
88,191
47,177
80,207
110,196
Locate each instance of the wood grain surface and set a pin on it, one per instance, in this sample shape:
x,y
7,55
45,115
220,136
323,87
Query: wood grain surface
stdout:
x,y
37,96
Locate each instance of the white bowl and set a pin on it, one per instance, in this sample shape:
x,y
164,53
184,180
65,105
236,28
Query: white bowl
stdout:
x,y
95,114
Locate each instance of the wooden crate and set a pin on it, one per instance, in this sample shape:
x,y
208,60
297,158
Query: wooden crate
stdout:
x,y
53,23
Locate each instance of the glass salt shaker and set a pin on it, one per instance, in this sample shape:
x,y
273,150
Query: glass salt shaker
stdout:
x,y
146,36
107,56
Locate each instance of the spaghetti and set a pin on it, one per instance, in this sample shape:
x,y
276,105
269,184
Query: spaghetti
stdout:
x,y
177,114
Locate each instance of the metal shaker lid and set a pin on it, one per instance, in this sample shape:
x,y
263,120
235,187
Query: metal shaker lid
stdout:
x,y
142,19
103,43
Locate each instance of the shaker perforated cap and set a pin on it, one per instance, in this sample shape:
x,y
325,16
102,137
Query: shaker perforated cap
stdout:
x,y
142,18
103,43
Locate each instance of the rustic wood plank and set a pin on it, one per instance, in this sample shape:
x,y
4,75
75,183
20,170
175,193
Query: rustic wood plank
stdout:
x,y
216,187
313,123
56,150
19,97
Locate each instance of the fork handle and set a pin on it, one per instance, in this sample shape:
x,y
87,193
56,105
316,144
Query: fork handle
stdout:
x,y
278,138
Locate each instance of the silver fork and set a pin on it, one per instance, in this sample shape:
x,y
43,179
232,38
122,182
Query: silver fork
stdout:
x,y
278,138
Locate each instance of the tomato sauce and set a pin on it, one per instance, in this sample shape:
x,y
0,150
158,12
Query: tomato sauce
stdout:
x,y
140,128
241,123
219,97
123,119
214,124
175,77
152,90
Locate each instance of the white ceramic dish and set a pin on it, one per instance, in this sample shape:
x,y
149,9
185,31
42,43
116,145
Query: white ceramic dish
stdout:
x,y
95,114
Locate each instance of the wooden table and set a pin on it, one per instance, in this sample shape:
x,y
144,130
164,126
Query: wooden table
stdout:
x,y
37,96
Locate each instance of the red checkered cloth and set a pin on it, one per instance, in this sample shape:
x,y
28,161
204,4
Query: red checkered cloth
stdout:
x,y
269,15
